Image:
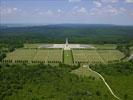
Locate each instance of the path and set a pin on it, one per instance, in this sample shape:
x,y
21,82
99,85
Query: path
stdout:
x,y
104,82
131,57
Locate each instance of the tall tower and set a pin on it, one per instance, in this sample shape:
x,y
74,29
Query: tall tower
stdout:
x,y
66,41
66,47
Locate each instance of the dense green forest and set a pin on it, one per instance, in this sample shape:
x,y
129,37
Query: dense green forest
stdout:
x,y
75,33
44,82
119,76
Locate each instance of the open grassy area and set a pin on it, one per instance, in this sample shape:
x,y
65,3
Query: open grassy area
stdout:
x,y
25,55
96,56
110,55
32,45
85,72
34,56
57,56
86,56
68,59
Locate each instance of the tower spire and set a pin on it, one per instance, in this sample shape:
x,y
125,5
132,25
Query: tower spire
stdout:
x,y
66,41
66,47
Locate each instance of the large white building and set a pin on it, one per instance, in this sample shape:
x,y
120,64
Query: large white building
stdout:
x,y
66,46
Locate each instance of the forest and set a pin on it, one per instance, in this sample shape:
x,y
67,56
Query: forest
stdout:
x,y
96,34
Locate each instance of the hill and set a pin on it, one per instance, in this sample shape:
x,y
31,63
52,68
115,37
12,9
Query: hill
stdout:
x,y
77,33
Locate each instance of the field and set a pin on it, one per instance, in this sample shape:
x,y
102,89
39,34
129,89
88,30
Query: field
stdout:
x,y
34,56
96,56
110,55
21,55
68,57
31,45
84,71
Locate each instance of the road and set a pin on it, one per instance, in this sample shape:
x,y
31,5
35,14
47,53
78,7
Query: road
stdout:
x,y
131,57
104,82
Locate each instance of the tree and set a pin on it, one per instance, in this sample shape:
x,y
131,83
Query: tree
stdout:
x,y
98,93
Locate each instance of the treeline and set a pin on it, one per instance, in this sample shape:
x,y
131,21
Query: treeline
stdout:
x,y
2,55
120,68
58,80
57,34
125,48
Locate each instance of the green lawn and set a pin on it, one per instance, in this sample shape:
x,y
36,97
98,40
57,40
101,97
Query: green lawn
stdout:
x,y
68,59
84,71
57,56
31,45
34,56
96,56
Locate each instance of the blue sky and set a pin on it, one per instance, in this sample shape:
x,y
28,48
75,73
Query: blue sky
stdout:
x,y
118,12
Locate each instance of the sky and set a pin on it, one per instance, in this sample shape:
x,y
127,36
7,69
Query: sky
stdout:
x,y
119,12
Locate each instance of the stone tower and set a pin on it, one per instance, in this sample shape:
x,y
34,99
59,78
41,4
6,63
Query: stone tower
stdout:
x,y
66,45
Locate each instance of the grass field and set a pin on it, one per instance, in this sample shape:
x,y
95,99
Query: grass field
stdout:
x,y
84,71
34,56
96,56
86,56
31,45
68,57
25,55
110,55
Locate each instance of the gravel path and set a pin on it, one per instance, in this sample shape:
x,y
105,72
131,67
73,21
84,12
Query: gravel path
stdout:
x,y
104,82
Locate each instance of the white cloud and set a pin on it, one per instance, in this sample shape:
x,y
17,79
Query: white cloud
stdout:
x,y
59,11
82,10
107,10
36,10
79,11
40,13
109,1
9,10
98,4
129,1
74,0
15,9
49,12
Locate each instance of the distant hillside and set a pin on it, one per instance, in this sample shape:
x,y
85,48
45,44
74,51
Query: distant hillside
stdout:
x,y
80,25
77,33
